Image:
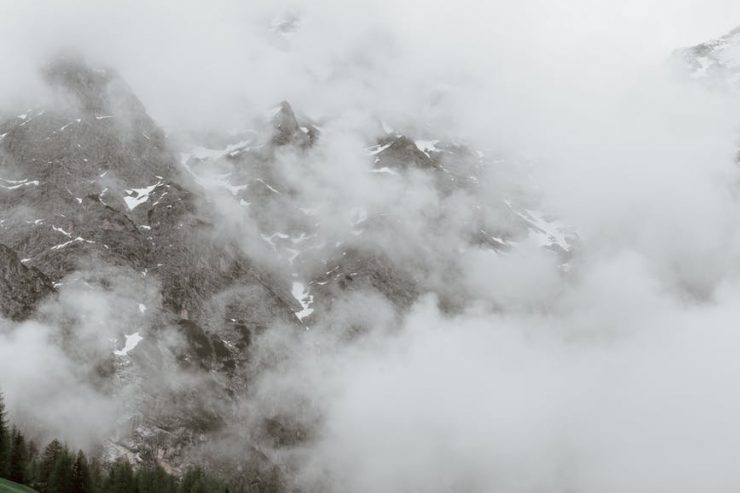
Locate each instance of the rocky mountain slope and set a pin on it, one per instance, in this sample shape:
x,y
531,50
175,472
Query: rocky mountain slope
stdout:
x,y
216,245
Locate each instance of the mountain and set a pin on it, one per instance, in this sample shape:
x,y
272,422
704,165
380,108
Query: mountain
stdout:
x,y
715,63
217,245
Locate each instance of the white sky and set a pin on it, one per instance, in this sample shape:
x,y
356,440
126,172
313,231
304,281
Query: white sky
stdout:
x,y
215,54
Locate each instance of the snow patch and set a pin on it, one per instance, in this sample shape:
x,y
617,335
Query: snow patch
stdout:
x,y
426,146
137,196
79,239
60,230
384,169
235,189
377,149
268,186
545,232
301,293
15,184
132,340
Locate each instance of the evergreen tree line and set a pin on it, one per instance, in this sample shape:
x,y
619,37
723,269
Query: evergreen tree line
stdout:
x,y
57,469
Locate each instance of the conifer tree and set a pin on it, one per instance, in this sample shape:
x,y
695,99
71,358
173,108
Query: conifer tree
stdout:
x,y
60,479
196,480
191,480
18,457
120,478
4,439
49,458
96,475
57,470
32,463
81,474
154,479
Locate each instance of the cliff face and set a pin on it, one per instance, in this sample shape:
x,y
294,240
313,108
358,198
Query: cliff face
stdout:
x,y
21,287
92,193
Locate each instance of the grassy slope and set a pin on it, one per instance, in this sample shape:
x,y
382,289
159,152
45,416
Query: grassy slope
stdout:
x,y
10,487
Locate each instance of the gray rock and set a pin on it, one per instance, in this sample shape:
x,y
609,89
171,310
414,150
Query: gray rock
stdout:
x,y
21,288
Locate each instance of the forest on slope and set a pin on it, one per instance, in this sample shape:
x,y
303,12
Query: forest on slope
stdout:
x,y
24,468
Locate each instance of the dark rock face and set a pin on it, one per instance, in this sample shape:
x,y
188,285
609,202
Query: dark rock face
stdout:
x,y
69,171
401,152
96,181
288,131
367,270
92,182
21,288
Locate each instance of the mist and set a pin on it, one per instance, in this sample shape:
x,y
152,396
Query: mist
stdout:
x,y
610,366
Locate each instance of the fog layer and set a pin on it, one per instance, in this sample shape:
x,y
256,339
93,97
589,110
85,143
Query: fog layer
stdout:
x,y
613,371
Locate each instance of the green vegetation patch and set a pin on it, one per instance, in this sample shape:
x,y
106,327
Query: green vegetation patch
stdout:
x,y
11,487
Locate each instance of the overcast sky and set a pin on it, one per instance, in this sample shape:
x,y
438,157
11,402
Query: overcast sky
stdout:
x,y
217,56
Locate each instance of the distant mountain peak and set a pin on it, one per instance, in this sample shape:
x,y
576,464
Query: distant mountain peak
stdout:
x,y
716,62
287,129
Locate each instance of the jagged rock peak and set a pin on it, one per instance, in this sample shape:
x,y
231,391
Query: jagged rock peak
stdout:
x,y
285,123
287,129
